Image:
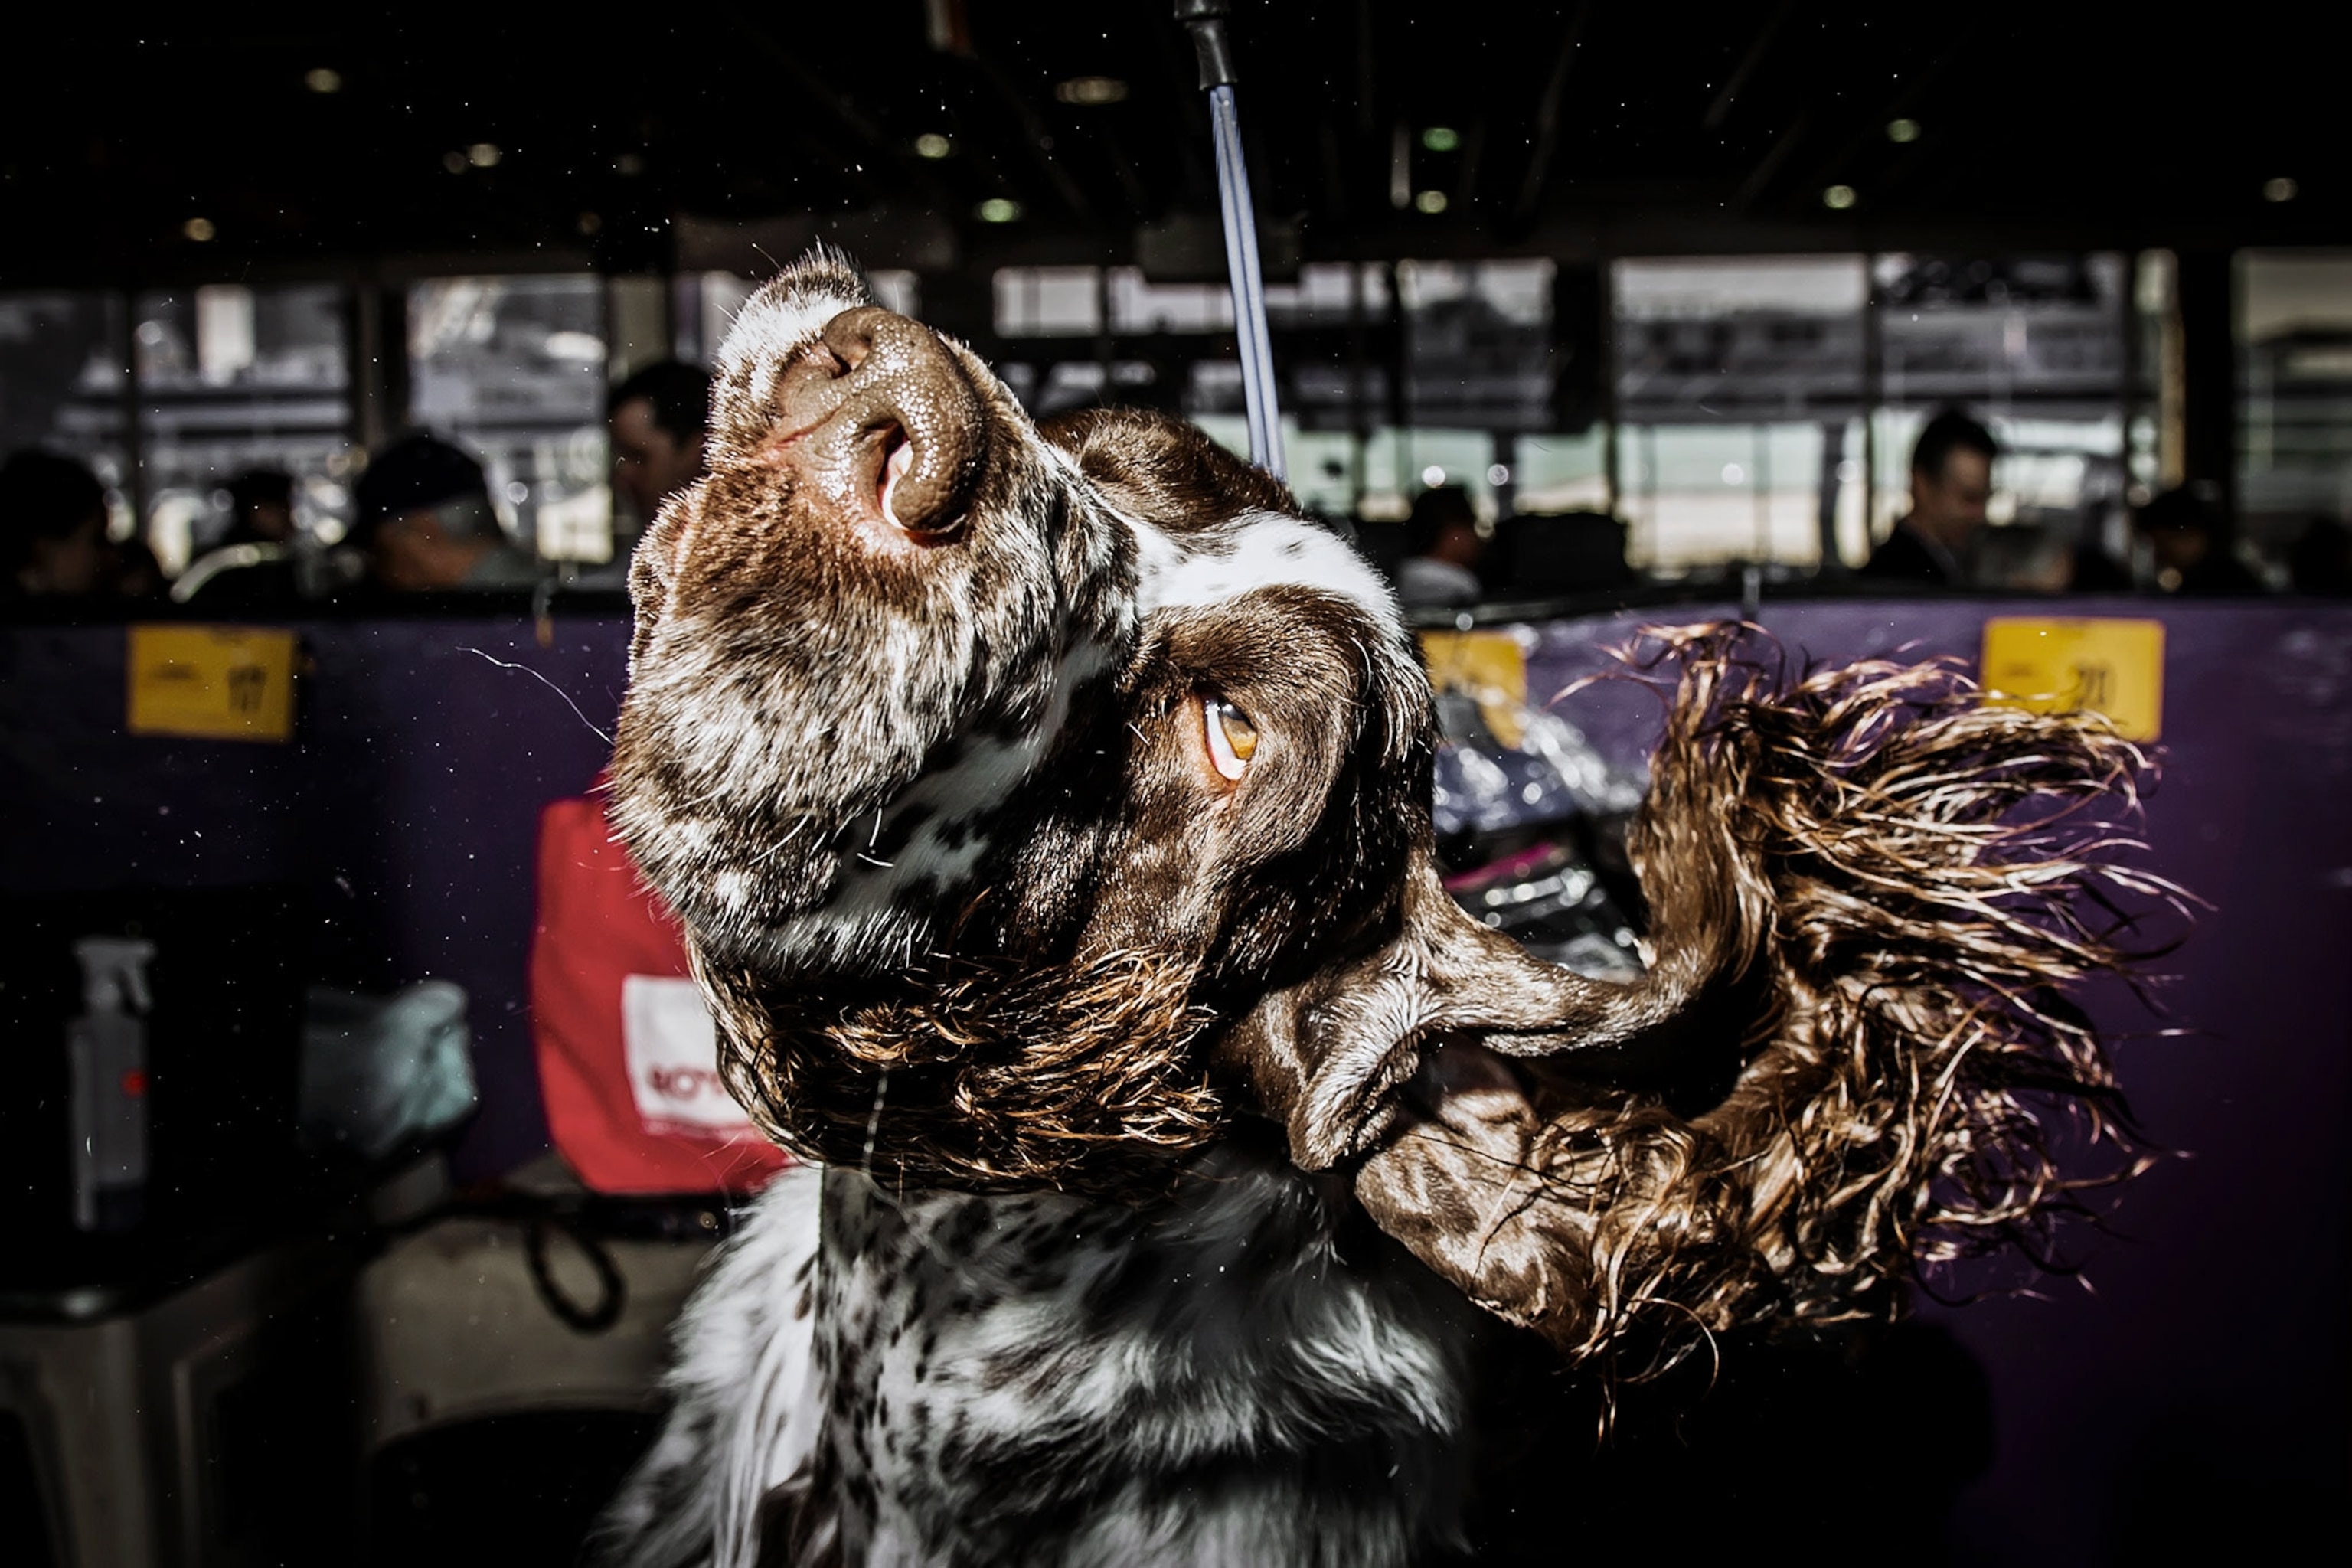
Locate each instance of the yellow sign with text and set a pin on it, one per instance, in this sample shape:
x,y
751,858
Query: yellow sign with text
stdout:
x,y
2115,668
214,683
1488,667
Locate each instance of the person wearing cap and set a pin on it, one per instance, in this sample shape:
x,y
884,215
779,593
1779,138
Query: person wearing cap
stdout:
x,y
426,520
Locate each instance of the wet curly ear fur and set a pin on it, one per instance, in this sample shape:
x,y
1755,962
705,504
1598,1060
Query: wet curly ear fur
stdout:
x,y
1881,882
1328,1053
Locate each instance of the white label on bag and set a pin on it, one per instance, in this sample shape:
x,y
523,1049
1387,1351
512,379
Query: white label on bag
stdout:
x,y
672,1049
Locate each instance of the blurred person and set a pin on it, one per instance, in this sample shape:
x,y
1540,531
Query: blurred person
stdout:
x,y
2190,545
427,522
657,418
2319,562
1951,481
261,507
52,528
252,567
1442,552
133,571
2096,571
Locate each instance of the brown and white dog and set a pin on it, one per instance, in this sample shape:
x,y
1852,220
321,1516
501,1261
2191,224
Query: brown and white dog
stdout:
x,y
1048,809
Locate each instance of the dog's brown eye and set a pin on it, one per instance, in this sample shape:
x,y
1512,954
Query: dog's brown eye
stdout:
x,y
1232,739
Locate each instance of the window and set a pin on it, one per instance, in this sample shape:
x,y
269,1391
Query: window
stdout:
x,y
2295,392
1477,339
1064,301
1561,473
706,305
1048,301
65,373
2035,346
232,378
210,381
1740,385
1469,353
514,368
1767,406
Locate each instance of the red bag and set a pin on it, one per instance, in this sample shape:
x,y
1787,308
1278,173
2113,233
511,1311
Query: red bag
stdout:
x,y
627,1057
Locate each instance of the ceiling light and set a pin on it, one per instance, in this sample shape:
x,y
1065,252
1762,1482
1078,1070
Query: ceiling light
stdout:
x,y
2279,190
199,229
321,78
1498,474
483,155
998,209
931,144
1091,91
1431,201
1903,130
454,162
1433,476
1837,198
1441,139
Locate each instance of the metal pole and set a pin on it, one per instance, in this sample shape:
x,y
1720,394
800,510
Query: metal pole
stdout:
x,y
1873,388
1205,20
134,432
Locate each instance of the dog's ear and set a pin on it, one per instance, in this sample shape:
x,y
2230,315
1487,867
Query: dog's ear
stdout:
x,y
1443,1058
1864,889
1467,1188
1326,1056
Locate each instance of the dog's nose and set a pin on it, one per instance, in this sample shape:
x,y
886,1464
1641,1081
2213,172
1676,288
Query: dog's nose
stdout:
x,y
851,334
880,415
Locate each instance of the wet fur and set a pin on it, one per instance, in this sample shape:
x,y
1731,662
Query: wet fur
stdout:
x,y
1898,881
1130,1084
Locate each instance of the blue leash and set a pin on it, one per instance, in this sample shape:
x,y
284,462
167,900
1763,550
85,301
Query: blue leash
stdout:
x,y
1205,19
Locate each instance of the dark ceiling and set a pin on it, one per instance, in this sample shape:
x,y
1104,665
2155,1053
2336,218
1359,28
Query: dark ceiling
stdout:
x,y
1577,129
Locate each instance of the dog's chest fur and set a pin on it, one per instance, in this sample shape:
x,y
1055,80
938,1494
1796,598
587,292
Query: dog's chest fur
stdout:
x,y
1227,1378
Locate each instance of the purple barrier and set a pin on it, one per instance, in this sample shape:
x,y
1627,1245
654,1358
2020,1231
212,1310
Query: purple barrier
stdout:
x,y
2211,1362
408,805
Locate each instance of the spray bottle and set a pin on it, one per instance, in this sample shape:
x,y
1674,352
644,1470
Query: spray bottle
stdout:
x,y
107,1045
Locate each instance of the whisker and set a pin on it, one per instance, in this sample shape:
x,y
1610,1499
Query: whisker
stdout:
x,y
535,675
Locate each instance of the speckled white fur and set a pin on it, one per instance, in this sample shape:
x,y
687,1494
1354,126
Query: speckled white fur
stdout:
x,y
774,326
874,892
747,1403
929,1340
1257,550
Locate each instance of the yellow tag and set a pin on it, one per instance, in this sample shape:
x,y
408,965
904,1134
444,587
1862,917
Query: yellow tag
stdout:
x,y
217,683
1487,666
2115,668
